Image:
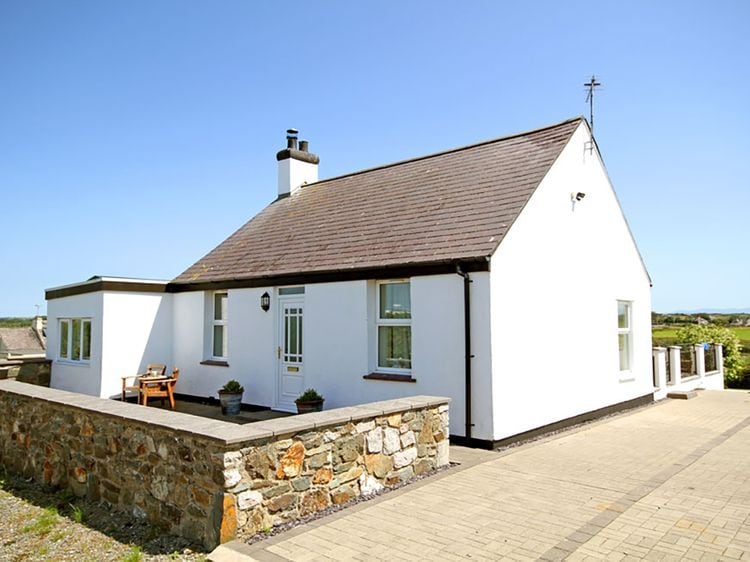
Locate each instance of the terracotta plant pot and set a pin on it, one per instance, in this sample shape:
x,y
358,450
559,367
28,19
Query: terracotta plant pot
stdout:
x,y
307,406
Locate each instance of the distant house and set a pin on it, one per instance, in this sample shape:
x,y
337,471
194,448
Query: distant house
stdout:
x,y
427,276
23,341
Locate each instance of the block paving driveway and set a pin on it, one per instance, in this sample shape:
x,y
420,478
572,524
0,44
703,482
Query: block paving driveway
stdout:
x,y
670,481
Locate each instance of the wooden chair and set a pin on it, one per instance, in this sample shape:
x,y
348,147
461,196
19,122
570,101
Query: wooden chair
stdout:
x,y
152,369
159,388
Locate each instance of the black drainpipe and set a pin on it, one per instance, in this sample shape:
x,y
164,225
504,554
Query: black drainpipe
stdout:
x,y
467,348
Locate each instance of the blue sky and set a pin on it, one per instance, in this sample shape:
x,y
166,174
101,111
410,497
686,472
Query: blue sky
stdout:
x,y
135,136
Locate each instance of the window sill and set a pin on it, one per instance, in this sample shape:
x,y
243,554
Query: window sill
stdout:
x,y
389,377
73,363
215,363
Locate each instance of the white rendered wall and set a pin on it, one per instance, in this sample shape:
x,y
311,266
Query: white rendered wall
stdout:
x,y
294,173
340,349
75,376
339,345
556,279
251,346
137,330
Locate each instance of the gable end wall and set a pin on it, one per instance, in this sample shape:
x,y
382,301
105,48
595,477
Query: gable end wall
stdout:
x,y
555,282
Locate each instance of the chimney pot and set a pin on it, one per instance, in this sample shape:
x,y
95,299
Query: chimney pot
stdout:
x,y
297,166
291,138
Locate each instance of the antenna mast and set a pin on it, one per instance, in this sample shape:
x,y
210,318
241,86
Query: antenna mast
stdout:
x,y
591,85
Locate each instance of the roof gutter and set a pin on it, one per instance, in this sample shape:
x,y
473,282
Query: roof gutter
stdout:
x,y
467,350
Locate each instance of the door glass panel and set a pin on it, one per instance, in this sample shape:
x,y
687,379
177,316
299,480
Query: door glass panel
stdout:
x,y
293,335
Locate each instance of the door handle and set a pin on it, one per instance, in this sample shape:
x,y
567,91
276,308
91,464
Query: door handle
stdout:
x,y
278,352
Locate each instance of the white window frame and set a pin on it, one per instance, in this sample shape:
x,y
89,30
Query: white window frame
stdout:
x,y
67,357
223,322
628,333
391,322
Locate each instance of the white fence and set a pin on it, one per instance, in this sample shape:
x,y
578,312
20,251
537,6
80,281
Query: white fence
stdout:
x,y
684,368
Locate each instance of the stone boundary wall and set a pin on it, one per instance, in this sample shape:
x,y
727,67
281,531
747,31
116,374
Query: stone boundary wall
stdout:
x,y
33,370
210,480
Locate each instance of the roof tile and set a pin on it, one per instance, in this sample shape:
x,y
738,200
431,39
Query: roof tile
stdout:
x,y
451,205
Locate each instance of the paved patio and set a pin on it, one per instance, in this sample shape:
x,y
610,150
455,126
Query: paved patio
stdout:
x,y
213,411
669,481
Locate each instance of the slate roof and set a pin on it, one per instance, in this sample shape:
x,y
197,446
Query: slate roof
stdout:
x,y
451,206
20,340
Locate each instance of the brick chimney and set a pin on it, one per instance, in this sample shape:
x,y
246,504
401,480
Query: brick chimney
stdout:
x,y
297,166
39,328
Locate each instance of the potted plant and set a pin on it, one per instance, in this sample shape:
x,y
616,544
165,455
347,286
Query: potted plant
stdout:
x,y
309,401
230,396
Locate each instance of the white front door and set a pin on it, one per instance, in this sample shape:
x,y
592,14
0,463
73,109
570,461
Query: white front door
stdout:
x,y
291,379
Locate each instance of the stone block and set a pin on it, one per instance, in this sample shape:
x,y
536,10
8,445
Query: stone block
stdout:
x,y
375,440
323,476
343,494
443,453
249,500
352,474
426,435
391,440
301,484
277,490
378,464
365,426
232,459
369,485
349,448
405,457
408,439
282,503
260,464
424,465
314,501
290,464
232,477
398,476
394,420
319,460
311,439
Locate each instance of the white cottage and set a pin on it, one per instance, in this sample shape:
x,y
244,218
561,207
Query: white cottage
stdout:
x,y
501,274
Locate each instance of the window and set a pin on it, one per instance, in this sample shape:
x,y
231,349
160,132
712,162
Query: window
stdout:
x,y
75,339
624,333
394,326
219,326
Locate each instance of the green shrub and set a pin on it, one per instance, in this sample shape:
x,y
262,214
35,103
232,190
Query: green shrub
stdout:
x,y
233,386
710,333
310,395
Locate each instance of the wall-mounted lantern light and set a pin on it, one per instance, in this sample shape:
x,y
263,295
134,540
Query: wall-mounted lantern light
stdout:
x,y
265,302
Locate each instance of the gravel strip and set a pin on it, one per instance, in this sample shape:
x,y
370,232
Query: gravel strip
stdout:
x,y
39,523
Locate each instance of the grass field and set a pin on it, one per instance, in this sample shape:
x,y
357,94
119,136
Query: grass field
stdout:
x,y
668,336
671,333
